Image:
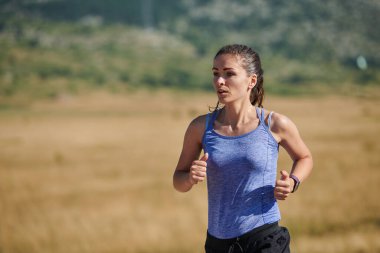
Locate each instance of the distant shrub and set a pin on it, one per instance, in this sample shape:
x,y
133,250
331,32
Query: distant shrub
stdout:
x,y
151,80
48,70
124,77
175,76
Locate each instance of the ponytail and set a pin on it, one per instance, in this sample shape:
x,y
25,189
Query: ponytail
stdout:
x,y
257,93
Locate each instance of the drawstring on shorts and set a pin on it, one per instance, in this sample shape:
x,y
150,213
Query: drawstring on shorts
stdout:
x,y
232,247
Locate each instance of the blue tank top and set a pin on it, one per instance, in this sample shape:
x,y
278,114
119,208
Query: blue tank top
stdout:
x,y
241,174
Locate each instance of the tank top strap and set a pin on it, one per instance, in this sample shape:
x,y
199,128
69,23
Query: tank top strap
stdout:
x,y
270,118
258,113
210,118
261,114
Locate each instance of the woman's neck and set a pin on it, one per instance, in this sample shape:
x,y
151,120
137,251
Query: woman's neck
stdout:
x,y
236,114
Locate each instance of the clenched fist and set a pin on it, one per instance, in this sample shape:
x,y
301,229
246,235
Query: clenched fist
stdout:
x,y
284,186
198,170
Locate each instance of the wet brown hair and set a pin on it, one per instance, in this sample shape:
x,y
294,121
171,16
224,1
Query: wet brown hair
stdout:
x,y
250,61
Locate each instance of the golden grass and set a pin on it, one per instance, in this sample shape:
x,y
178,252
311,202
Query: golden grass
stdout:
x,y
94,174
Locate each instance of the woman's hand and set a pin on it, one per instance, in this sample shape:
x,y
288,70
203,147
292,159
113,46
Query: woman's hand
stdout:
x,y
198,170
284,186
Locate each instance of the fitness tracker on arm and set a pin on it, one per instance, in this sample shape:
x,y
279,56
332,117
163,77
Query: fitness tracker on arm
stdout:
x,y
296,182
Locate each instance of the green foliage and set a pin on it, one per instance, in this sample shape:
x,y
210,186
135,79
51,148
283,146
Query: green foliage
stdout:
x,y
54,47
64,59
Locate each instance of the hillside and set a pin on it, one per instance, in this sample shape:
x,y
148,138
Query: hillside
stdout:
x,y
54,47
336,28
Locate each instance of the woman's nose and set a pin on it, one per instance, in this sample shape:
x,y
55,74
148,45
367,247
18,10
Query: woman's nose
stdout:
x,y
220,80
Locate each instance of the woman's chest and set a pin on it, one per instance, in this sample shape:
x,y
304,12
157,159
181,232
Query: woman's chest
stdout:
x,y
248,153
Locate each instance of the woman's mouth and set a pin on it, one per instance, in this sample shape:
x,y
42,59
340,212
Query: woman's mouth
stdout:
x,y
222,91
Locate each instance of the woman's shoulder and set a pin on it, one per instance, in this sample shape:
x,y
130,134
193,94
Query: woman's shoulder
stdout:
x,y
280,123
196,129
278,120
199,122
198,125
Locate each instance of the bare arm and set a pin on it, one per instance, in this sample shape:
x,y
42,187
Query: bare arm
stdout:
x,y
190,169
289,138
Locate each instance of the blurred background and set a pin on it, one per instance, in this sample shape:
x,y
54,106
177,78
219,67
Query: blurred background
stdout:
x,y
95,97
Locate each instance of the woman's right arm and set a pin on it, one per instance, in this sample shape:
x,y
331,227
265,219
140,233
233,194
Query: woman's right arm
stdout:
x,y
190,168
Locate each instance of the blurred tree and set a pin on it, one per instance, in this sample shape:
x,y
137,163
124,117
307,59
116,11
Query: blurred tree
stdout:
x,y
147,13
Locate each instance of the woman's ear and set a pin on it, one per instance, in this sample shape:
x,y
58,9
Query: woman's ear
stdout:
x,y
253,81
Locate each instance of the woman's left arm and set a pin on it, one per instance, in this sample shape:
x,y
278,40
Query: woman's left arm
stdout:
x,y
286,133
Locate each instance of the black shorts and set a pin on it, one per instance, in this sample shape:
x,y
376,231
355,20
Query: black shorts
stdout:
x,y
269,238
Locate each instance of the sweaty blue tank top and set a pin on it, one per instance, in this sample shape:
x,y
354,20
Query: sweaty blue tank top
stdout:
x,y
241,174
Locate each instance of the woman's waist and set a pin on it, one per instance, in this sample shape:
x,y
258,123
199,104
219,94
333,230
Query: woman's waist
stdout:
x,y
254,234
229,222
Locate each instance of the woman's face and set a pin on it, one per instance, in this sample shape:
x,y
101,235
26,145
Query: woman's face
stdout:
x,y
231,80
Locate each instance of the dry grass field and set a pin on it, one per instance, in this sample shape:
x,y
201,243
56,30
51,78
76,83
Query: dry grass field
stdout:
x,y
94,174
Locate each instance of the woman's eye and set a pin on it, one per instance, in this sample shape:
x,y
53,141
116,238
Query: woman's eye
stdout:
x,y
230,74
214,73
